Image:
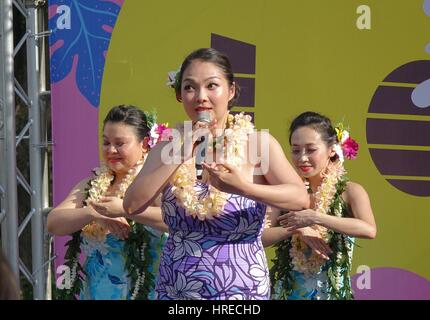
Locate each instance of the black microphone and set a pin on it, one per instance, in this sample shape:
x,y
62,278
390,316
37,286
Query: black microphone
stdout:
x,y
203,116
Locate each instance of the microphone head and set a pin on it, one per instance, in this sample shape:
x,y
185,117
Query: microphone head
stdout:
x,y
204,116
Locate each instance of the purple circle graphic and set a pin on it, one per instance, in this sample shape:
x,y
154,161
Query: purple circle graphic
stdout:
x,y
396,99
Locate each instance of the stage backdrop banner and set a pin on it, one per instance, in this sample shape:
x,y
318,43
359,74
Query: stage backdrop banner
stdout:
x,y
366,63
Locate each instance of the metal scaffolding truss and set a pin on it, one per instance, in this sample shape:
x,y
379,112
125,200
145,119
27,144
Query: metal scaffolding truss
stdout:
x,y
34,131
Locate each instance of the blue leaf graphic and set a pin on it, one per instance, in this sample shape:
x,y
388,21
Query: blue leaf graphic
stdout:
x,y
115,279
85,39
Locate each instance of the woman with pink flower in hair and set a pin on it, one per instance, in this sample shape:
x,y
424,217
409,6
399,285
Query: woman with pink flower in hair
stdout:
x,y
340,211
121,252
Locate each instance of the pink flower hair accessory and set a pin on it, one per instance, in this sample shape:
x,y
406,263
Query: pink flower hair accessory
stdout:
x,y
346,147
159,132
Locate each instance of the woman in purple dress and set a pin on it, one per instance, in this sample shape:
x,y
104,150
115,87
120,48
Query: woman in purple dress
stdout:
x,y
215,219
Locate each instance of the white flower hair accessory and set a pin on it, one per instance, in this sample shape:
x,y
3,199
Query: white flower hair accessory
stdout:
x,y
173,78
338,149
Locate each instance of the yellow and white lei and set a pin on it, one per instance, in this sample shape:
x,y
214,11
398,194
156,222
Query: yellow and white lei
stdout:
x,y
323,199
99,187
236,135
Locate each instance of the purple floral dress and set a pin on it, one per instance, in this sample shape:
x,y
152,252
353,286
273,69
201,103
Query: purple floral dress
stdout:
x,y
218,259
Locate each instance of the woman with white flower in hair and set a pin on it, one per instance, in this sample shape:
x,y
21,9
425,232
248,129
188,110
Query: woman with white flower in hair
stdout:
x,y
215,218
340,210
121,251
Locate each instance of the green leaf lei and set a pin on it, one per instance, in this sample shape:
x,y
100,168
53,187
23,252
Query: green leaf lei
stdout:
x,y
339,270
138,239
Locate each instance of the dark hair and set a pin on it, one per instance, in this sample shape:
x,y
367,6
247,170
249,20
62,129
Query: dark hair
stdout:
x,y
319,123
215,57
9,289
131,116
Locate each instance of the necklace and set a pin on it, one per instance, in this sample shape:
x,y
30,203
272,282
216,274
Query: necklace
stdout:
x,y
235,138
323,198
99,187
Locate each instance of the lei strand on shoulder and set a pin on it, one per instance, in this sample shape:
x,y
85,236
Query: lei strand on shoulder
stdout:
x,y
289,259
235,137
